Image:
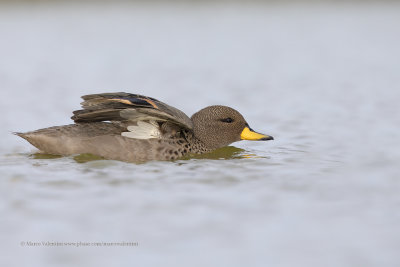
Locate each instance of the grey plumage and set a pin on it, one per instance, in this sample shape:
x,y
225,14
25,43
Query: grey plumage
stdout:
x,y
99,127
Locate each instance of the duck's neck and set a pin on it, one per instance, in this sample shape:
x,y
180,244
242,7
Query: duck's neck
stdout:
x,y
195,144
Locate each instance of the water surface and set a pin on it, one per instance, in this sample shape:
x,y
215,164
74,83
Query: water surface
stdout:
x,y
322,79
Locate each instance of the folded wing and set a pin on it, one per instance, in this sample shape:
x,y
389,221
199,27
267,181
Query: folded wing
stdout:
x,y
128,107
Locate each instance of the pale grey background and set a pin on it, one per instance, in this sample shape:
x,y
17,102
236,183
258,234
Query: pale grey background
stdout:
x,y
322,78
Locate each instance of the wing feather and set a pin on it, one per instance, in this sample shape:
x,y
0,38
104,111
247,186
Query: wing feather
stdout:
x,y
128,107
143,130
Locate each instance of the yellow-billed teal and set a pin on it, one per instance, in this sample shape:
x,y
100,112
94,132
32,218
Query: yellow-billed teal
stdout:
x,y
136,128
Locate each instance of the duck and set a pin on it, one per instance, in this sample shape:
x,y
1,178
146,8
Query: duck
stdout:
x,y
136,128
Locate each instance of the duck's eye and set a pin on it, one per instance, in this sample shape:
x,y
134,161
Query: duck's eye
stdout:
x,y
227,120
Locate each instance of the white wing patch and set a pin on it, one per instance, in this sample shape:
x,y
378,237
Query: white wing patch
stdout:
x,y
143,130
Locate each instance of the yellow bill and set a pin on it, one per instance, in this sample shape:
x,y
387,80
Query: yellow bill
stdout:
x,y
249,134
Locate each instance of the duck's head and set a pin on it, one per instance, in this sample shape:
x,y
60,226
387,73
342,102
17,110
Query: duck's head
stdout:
x,y
219,126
